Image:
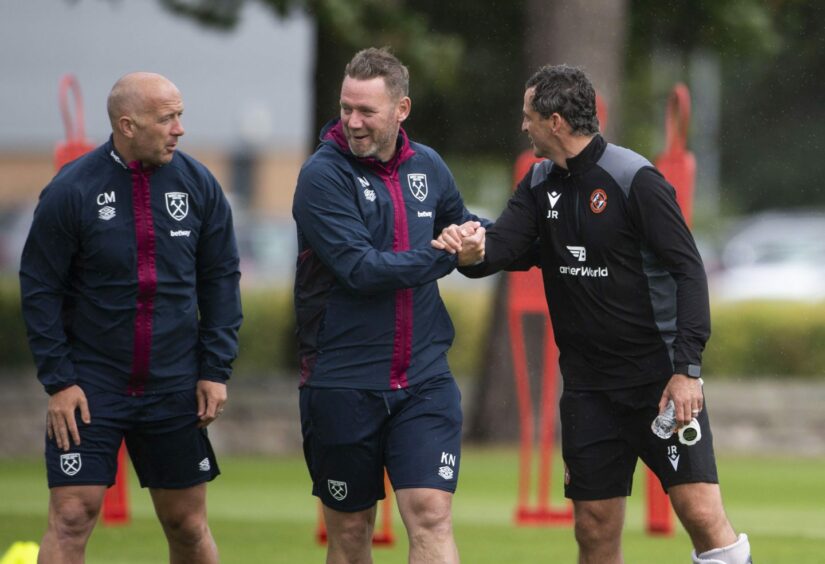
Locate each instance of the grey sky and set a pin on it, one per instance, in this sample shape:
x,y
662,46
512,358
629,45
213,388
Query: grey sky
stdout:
x,y
254,81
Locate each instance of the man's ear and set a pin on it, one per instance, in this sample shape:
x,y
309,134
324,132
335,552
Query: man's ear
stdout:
x,y
556,122
126,126
403,108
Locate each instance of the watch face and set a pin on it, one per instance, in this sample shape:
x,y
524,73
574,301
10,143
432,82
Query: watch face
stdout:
x,y
689,434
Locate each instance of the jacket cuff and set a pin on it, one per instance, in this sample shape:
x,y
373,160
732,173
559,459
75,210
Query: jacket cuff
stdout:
x,y
214,378
52,389
692,370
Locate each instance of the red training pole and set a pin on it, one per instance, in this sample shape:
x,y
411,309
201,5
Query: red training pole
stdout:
x,y
525,295
116,500
75,144
678,166
383,535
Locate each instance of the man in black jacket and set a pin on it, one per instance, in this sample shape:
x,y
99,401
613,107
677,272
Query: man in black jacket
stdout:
x,y
628,297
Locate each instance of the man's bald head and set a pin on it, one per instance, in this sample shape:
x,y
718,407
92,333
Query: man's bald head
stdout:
x,y
133,93
145,111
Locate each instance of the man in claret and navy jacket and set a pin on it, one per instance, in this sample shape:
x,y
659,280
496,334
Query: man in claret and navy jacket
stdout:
x,y
376,390
129,282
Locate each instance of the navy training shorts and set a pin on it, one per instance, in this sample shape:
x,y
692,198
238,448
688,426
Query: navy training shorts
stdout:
x,y
167,448
604,433
350,436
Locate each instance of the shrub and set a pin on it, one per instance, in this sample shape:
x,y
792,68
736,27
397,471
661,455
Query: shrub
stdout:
x,y
755,339
14,347
758,339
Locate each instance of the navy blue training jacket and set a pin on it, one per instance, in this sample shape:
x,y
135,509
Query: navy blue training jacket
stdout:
x,y
129,277
368,309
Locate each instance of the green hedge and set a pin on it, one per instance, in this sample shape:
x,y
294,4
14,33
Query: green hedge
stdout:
x,y
14,348
267,338
749,339
763,339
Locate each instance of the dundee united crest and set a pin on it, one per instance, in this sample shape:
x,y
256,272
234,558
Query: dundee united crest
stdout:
x,y
418,185
177,204
70,463
337,489
598,201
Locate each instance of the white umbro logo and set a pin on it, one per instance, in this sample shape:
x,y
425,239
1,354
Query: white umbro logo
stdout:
x,y
579,252
369,194
204,465
106,213
446,472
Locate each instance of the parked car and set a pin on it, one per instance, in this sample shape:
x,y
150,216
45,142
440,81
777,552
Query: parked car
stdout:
x,y
776,255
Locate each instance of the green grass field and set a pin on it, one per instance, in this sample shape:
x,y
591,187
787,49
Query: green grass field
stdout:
x,y
261,512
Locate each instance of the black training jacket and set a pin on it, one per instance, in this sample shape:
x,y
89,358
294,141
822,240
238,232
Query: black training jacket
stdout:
x,y
625,285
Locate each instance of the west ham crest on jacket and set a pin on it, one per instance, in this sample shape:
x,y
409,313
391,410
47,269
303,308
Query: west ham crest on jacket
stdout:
x,y
177,204
418,185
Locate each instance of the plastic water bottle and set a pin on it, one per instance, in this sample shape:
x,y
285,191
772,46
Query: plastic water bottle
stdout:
x,y
665,424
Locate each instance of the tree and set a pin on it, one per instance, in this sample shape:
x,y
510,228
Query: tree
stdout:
x,y
598,47
343,27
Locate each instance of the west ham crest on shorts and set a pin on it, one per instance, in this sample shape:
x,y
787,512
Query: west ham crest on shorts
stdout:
x,y
418,185
337,489
177,204
70,463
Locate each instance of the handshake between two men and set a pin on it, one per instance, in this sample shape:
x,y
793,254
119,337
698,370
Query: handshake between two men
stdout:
x,y
466,241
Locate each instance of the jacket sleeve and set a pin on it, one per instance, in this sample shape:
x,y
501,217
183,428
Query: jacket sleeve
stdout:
x,y
662,227
511,242
50,247
329,219
219,298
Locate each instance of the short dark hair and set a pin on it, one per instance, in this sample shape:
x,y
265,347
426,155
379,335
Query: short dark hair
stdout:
x,y
567,91
372,62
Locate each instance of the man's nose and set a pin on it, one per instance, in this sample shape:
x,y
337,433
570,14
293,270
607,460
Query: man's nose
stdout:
x,y
356,120
177,129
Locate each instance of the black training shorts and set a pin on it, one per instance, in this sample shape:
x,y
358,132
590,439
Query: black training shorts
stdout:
x,y
167,448
605,432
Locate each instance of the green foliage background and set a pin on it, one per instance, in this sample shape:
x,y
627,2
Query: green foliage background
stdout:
x,y
748,339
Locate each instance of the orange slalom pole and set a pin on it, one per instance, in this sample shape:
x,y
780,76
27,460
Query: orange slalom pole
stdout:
x,y
382,536
116,499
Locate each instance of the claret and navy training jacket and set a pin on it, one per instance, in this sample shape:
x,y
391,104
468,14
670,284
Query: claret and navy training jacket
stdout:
x,y
367,305
129,277
625,284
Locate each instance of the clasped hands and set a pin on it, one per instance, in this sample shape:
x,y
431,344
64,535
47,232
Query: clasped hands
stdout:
x,y
466,241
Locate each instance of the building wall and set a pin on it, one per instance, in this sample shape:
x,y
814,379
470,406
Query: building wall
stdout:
x,y
249,88
23,176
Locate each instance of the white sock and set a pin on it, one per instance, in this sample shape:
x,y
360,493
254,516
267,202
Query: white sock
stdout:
x,y
736,553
